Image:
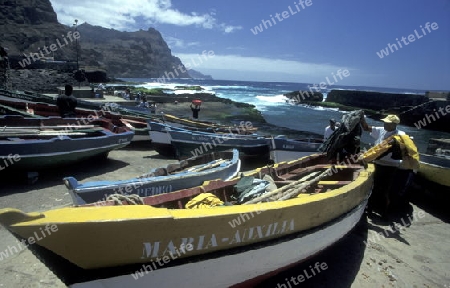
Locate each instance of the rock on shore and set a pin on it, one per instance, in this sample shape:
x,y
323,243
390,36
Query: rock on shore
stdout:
x,y
415,110
40,80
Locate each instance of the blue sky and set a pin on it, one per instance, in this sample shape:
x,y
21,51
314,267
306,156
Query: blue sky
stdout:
x,y
309,44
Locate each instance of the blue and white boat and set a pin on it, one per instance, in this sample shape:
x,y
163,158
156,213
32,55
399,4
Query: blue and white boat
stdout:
x,y
32,144
184,142
187,173
286,149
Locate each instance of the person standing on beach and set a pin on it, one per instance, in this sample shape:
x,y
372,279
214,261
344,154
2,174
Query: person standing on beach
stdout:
x,y
195,111
389,179
67,103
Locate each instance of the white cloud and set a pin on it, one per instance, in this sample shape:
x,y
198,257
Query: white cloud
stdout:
x,y
174,42
122,15
260,67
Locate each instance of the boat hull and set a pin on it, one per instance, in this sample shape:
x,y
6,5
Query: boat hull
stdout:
x,y
62,158
237,268
135,123
284,149
435,169
189,143
154,185
184,150
169,140
38,146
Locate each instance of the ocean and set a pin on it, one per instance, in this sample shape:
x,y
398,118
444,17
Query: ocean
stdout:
x,y
268,98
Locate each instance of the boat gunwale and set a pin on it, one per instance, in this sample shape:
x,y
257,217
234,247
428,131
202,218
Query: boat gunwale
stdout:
x,y
136,212
234,160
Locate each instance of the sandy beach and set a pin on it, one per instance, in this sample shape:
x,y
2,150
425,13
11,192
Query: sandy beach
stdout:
x,y
416,253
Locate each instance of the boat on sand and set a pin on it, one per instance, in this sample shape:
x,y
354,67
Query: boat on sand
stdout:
x,y
137,124
184,142
188,173
435,168
219,242
49,142
435,163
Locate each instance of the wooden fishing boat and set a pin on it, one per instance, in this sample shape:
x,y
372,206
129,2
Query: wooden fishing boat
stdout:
x,y
435,168
188,173
174,120
285,149
43,142
435,163
7,110
188,143
117,245
41,98
134,118
164,143
136,123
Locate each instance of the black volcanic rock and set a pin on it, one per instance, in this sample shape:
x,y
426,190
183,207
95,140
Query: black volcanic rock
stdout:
x,y
304,96
375,100
21,12
140,54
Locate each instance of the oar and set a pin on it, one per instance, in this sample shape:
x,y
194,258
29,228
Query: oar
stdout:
x,y
298,190
30,132
280,192
276,191
212,165
49,127
200,167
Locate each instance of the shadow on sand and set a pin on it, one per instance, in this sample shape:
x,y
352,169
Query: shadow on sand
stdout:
x,y
20,182
343,260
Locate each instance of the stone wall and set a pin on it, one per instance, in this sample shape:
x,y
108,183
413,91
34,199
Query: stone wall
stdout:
x,y
375,100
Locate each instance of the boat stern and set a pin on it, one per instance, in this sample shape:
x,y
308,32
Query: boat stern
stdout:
x,y
71,184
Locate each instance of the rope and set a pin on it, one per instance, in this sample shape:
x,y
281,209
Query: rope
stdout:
x,y
202,167
132,199
417,106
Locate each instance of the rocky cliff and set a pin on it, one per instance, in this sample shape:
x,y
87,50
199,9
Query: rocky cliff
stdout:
x,y
30,28
27,25
140,54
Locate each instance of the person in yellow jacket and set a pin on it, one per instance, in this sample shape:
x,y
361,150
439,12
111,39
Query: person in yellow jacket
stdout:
x,y
392,176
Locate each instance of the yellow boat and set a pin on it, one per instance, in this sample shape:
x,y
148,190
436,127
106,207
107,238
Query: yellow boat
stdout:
x,y
435,169
323,203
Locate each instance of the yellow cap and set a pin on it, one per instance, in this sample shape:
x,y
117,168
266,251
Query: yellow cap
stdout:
x,y
391,119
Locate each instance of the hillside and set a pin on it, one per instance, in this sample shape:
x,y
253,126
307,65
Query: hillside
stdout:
x,y
34,28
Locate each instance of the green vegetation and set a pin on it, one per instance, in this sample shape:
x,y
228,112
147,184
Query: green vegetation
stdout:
x,y
153,91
